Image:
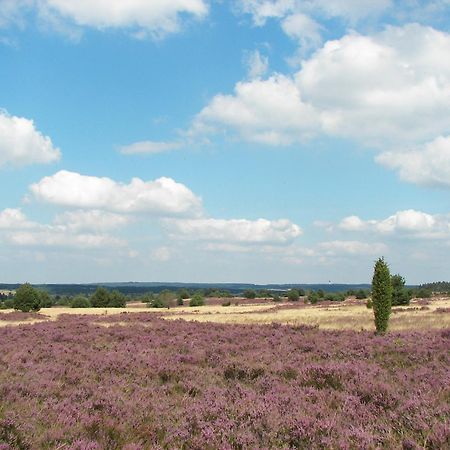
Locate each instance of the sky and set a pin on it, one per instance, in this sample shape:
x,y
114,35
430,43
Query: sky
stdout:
x,y
265,141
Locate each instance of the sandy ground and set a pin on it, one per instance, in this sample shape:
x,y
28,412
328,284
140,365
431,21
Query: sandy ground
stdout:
x,y
346,315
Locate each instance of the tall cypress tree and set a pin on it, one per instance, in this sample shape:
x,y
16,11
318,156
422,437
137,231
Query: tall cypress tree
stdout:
x,y
381,295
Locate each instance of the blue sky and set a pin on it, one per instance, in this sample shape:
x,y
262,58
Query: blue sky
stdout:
x,y
241,141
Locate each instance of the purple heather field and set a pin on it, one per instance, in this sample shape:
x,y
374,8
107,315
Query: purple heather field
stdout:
x,y
85,382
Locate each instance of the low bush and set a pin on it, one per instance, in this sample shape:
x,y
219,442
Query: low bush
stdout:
x,y
80,301
197,300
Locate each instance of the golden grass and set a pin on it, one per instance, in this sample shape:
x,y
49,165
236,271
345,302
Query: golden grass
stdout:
x,y
335,317
339,316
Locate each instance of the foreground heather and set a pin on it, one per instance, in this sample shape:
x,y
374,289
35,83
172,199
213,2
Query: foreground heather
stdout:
x,y
148,384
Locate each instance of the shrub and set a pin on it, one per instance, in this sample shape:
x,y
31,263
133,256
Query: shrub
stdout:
x,y
27,298
227,303
117,300
197,300
249,293
180,301
45,299
313,297
293,295
157,302
381,295
400,294
369,303
80,301
100,298
423,293
361,294
183,294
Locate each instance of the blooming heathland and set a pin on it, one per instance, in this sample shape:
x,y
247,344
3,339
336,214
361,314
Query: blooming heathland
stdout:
x,y
135,381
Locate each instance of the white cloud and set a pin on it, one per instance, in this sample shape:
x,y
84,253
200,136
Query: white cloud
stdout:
x,y
13,218
349,10
303,29
429,166
338,247
163,197
408,222
149,147
261,231
266,111
257,64
155,18
91,220
387,90
261,10
22,144
11,11
62,238
18,230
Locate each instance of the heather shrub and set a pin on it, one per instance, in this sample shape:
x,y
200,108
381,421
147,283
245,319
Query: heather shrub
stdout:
x,y
80,301
227,303
27,298
381,295
156,384
197,300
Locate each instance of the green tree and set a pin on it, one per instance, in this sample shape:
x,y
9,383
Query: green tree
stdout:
x,y
80,301
197,300
100,298
27,298
400,294
381,295
293,295
117,300
249,293
45,299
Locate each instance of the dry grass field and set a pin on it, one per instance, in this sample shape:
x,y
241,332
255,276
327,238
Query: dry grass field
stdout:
x,y
348,315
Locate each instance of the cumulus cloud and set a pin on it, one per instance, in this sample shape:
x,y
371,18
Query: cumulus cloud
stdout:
x,y
62,238
261,231
163,197
339,91
22,144
143,18
303,29
407,222
428,166
149,147
67,231
91,220
266,111
14,218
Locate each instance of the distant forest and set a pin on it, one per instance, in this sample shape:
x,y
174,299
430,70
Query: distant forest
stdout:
x,y
437,286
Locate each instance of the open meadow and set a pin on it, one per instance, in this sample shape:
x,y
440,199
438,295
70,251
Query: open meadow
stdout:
x,y
264,376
